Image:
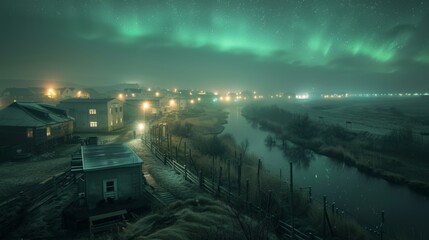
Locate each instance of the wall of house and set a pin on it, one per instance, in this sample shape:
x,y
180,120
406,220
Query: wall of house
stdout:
x,y
109,116
115,115
128,179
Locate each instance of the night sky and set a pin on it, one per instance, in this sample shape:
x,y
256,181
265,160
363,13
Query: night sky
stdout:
x,y
306,45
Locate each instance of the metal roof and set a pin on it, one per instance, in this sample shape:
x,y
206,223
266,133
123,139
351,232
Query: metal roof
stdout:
x,y
31,115
108,156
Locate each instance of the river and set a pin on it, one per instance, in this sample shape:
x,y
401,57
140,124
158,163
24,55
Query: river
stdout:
x,y
363,196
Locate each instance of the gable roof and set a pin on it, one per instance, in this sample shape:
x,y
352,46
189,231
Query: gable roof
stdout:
x,y
32,115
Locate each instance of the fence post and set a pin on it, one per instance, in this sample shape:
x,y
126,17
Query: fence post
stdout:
x,y
165,158
247,191
310,195
171,149
176,154
239,176
213,172
191,161
229,179
269,202
186,172
219,182
258,174
184,151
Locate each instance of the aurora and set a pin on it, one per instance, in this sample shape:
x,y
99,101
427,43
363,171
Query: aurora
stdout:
x,y
294,44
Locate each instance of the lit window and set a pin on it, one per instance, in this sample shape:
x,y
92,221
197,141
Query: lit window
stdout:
x,y
93,124
120,120
111,123
48,131
92,111
29,133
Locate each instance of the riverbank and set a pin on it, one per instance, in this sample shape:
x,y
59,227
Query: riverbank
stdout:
x,y
358,149
220,156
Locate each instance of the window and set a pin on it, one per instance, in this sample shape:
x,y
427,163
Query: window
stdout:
x,y
111,123
92,111
120,120
110,189
29,133
93,124
116,109
48,131
120,109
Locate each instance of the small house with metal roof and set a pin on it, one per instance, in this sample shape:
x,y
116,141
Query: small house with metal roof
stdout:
x,y
112,174
94,115
28,127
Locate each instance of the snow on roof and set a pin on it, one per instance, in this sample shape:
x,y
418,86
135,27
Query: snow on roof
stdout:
x,y
31,115
98,157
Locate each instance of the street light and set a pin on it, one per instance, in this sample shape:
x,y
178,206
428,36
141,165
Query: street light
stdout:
x,y
145,106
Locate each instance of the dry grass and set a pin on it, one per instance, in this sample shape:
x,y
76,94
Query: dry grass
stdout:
x,y
259,196
200,218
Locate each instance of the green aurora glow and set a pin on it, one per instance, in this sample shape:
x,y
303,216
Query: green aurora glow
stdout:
x,y
309,34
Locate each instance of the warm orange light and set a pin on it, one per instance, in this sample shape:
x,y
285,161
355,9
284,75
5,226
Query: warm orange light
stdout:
x,y
157,94
145,105
51,93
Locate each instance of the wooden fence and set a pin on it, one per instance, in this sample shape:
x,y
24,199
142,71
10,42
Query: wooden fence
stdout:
x,y
216,188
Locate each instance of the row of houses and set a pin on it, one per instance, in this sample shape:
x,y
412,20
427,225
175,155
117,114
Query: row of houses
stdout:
x,y
34,127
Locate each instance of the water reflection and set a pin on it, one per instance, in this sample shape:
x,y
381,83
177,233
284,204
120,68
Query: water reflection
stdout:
x,y
300,156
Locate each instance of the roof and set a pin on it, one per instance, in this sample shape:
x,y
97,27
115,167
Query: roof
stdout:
x,y
32,115
108,156
87,100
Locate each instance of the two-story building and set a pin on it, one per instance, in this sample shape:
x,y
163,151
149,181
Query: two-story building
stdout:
x,y
95,115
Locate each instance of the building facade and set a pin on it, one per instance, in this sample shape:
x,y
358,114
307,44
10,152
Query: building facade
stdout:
x,y
112,174
33,127
95,115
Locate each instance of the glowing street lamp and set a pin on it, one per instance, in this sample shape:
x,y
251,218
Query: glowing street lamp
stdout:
x,y
140,126
145,106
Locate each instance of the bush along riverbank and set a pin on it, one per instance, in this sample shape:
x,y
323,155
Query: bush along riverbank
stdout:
x,y
192,142
399,156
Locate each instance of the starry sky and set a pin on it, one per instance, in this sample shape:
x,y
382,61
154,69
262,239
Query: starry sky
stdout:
x,y
284,45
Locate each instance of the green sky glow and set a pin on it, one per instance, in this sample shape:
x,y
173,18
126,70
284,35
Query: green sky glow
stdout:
x,y
298,38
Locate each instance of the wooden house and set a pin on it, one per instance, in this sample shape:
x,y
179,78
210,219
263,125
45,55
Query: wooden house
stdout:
x,y
29,127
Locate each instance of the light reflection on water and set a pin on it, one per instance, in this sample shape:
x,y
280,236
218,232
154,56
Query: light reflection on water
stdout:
x,y
359,194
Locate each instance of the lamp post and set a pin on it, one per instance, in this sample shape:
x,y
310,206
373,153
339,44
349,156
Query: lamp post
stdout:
x,y
144,106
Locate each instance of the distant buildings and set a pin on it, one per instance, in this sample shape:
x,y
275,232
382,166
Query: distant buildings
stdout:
x,y
95,115
29,127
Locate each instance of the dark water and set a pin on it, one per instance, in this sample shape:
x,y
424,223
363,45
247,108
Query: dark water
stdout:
x,y
363,196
